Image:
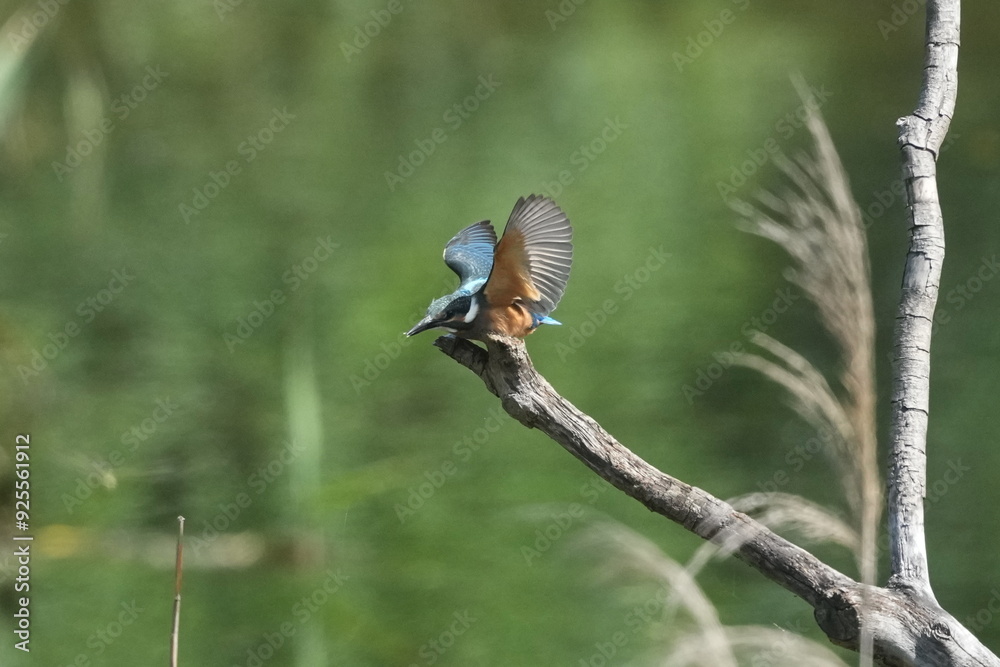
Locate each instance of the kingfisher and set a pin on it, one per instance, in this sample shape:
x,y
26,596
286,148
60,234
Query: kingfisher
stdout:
x,y
509,287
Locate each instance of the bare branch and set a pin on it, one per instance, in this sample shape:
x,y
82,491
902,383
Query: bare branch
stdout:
x,y
920,138
529,398
907,630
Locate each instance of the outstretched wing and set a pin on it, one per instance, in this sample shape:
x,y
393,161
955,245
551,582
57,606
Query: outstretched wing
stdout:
x,y
470,252
533,258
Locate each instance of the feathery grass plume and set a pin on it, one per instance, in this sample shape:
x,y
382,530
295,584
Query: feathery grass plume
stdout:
x,y
631,553
777,647
757,645
812,398
824,234
786,511
693,634
821,228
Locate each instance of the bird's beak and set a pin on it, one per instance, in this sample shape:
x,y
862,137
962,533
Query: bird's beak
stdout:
x,y
422,325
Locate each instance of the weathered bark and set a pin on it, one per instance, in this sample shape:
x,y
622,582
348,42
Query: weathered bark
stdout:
x,y
907,628
920,138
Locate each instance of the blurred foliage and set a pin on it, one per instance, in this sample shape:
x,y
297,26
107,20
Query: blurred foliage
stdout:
x,y
202,256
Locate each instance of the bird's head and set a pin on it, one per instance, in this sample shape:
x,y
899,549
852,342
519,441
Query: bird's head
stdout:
x,y
454,312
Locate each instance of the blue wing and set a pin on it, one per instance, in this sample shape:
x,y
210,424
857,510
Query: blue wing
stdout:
x,y
470,253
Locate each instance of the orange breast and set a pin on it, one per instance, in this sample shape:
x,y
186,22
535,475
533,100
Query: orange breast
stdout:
x,y
512,320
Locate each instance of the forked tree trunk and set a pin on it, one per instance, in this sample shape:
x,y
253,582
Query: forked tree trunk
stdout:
x,y
904,621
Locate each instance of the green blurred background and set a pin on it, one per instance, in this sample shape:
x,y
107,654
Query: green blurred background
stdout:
x,y
203,257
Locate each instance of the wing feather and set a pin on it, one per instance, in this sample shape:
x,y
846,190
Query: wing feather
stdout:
x,y
534,257
470,252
